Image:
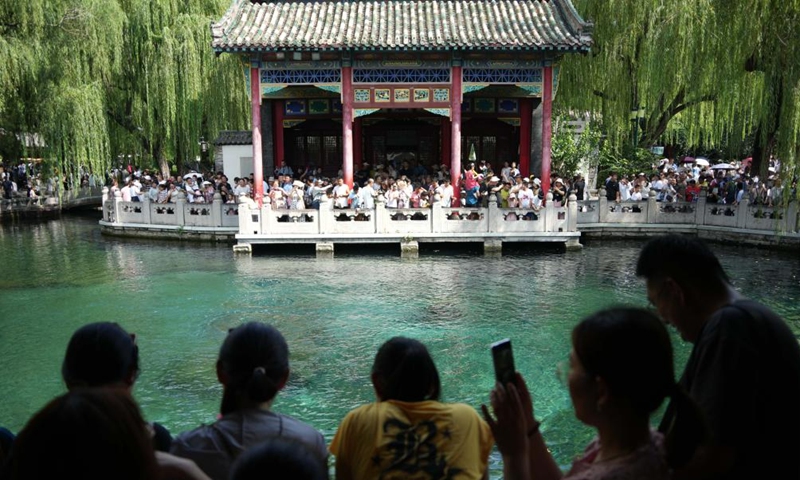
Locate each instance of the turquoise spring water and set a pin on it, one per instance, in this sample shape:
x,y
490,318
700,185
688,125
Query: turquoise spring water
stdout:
x,y
180,300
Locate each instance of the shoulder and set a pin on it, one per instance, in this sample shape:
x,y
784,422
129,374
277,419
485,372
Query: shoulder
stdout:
x,y
197,438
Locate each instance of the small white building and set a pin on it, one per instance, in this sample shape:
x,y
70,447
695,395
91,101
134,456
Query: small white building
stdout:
x,y
233,153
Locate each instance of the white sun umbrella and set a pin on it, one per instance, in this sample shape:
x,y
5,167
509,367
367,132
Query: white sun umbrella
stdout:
x,y
193,174
703,162
723,166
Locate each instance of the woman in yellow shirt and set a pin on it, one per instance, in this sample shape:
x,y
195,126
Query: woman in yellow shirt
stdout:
x,y
408,432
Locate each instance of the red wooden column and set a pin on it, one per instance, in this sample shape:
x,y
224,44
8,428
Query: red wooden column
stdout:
x,y
358,148
525,119
547,128
445,138
278,112
347,125
455,133
255,107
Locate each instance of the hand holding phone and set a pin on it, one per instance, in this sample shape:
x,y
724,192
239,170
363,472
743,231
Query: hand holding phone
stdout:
x,y
503,359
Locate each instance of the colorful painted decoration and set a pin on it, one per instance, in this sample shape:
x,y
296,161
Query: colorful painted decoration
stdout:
x,y
318,107
422,95
402,95
295,107
507,105
383,95
361,95
441,94
484,105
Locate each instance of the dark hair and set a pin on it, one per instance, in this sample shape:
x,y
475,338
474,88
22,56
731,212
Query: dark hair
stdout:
x,y
256,358
630,349
87,433
100,354
667,256
405,371
282,458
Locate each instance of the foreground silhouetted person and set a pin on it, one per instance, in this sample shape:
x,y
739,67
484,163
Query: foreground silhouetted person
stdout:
x,y
88,434
408,433
620,372
253,366
744,370
103,354
279,459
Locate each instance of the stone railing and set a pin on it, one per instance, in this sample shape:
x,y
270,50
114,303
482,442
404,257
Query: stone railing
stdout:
x,y
742,216
404,221
245,218
179,214
70,198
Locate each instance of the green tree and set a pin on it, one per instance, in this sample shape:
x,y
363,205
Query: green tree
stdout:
x,y
727,68
571,150
102,78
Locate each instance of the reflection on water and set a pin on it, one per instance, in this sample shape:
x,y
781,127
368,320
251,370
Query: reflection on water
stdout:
x,y
181,299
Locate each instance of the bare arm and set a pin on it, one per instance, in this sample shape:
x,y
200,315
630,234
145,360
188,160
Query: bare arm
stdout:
x,y
524,456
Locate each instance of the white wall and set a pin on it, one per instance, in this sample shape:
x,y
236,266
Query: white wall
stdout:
x,y
237,161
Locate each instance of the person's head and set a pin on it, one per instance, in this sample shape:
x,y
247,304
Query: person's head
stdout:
x,y
101,354
253,366
404,371
88,434
621,364
283,458
683,296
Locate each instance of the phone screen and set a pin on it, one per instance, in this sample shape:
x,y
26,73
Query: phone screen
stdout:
x,y
503,357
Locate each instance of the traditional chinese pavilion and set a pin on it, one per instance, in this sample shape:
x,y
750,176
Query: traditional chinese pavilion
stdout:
x,y
342,82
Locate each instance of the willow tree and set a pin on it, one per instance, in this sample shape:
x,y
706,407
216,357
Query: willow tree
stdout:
x,y
98,79
723,69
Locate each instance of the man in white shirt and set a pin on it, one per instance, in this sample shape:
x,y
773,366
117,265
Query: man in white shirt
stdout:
x,y
367,195
446,194
525,196
340,193
126,192
136,191
624,190
241,188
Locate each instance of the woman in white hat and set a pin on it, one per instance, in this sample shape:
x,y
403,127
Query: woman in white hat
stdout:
x,y
297,195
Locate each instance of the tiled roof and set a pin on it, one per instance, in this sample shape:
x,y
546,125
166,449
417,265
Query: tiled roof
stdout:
x,y
401,25
234,137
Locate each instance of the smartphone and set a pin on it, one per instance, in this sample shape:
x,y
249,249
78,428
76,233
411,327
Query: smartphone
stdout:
x,y
503,358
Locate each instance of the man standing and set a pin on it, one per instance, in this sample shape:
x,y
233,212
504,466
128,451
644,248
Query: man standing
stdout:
x,y
744,370
612,188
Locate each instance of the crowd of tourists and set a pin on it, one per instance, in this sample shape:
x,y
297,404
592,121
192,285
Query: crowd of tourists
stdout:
x,y
725,184
726,418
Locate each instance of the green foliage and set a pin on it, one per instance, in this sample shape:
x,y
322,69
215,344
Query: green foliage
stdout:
x,y
724,69
569,151
627,160
98,79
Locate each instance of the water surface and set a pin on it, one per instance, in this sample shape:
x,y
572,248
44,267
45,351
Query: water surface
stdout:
x,y
181,299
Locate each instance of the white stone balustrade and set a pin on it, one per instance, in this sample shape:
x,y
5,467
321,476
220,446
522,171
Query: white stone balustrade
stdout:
x,y
251,220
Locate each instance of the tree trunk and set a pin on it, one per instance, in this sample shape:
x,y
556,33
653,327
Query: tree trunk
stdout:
x,y
161,158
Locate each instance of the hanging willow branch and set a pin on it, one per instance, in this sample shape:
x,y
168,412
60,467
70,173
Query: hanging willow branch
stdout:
x,y
102,79
736,59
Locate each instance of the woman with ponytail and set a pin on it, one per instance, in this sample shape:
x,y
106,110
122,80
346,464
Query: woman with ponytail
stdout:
x,y
408,432
620,372
253,366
